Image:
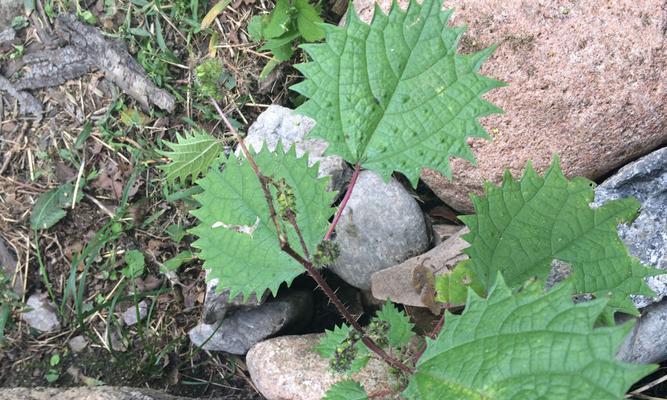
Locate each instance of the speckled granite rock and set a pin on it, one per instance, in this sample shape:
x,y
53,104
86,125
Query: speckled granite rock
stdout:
x,y
42,315
587,81
85,393
646,237
286,368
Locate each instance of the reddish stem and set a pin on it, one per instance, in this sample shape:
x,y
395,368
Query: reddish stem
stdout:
x,y
434,334
343,203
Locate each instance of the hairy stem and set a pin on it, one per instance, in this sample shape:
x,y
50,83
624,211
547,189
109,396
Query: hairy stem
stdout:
x,y
434,334
287,248
343,203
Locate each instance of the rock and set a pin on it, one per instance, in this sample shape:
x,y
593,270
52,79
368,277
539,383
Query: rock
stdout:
x,y
442,232
287,368
647,343
42,315
86,393
280,123
238,332
77,343
396,283
217,305
646,236
8,10
130,315
587,81
381,226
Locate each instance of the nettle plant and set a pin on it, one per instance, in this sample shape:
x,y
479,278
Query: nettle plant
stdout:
x,y
395,96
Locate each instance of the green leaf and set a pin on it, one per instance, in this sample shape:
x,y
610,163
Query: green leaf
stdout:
x,y
400,327
346,390
213,13
191,155
237,238
520,227
327,346
525,347
280,20
48,209
134,259
175,262
175,232
255,28
308,20
281,47
452,288
395,95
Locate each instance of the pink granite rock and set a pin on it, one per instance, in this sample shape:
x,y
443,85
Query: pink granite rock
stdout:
x,y
587,81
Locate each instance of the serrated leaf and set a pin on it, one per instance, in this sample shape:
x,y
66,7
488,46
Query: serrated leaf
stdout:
x,y
452,287
520,227
308,21
48,209
191,155
395,95
400,327
525,347
346,390
280,20
328,344
237,238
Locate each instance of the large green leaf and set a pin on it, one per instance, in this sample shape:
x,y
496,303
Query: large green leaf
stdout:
x,y
525,347
520,227
49,207
237,238
191,155
395,95
346,390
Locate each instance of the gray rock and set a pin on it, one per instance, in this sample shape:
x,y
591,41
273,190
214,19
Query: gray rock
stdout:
x,y
282,124
647,343
217,305
238,332
8,10
287,368
130,315
42,315
77,343
381,226
646,236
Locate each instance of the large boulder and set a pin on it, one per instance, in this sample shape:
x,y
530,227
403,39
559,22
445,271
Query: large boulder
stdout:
x,y
587,81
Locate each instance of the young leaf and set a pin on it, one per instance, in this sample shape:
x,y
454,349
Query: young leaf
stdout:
x,y
395,95
400,327
346,390
525,347
308,20
48,209
136,263
280,20
520,227
175,262
452,288
237,238
191,155
331,341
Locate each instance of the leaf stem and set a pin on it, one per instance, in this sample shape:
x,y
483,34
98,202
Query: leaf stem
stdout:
x,y
434,334
343,203
287,248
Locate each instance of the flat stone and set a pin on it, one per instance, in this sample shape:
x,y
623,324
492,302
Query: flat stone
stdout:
x,y
130,315
396,283
280,124
381,226
287,368
646,237
647,343
587,81
77,343
42,315
217,305
238,332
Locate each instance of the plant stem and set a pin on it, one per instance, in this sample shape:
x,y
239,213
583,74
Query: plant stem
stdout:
x,y
287,248
343,203
433,335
